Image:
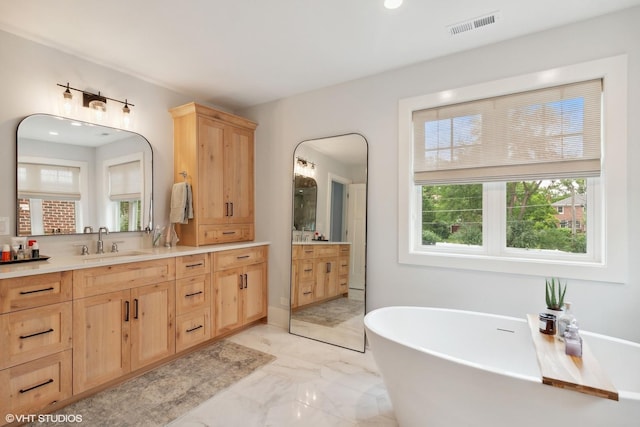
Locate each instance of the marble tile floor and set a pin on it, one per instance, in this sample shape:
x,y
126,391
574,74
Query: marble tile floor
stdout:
x,y
310,384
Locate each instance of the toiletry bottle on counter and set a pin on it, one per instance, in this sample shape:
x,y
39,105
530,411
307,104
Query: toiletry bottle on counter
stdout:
x,y
35,250
6,252
573,340
565,320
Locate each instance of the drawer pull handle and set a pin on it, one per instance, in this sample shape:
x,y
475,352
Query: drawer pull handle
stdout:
x,y
241,278
195,328
243,257
231,209
193,294
307,293
24,390
126,311
135,308
200,264
37,290
308,270
246,281
23,337
228,232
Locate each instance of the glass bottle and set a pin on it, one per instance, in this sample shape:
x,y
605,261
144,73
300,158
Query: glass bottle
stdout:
x,y
564,320
573,340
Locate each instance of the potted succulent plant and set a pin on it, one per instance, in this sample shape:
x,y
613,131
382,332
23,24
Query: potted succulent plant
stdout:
x,y
554,295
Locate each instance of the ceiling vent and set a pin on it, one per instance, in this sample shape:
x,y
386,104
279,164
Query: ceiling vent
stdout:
x,y
474,24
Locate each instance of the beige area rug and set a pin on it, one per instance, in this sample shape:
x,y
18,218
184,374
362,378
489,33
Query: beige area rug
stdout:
x,y
330,313
163,394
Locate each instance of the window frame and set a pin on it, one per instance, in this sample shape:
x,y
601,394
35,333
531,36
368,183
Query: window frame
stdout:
x,y
609,191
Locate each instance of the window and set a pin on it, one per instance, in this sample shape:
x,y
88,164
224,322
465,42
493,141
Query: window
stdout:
x,y
517,175
49,198
125,195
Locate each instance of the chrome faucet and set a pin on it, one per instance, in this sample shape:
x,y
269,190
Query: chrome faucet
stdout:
x,y
100,248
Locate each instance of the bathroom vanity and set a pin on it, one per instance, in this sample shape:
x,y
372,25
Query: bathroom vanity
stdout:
x,y
74,325
319,271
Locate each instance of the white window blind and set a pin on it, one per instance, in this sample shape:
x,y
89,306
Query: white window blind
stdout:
x,y
548,133
45,181
125,180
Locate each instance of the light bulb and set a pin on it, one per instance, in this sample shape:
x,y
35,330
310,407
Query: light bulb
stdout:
x,y
392,4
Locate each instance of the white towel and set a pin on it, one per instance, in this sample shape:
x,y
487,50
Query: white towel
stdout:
x,y
181,203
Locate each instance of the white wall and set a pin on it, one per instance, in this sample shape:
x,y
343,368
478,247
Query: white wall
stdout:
x,y
369,106
29,73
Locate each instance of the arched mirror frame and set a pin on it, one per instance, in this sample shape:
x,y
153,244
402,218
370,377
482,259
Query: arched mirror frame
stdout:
x,y
319,333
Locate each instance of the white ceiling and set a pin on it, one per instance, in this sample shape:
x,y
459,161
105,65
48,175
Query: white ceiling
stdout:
x,y
239,53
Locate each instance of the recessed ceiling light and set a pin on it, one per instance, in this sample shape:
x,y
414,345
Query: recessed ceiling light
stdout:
x,y
392,4
53,132
76,124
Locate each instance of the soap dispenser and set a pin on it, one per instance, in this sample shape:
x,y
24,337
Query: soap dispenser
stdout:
x,y
573,340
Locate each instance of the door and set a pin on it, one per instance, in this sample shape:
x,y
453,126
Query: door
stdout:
x,y
152,323
227,288
210,203
255,292
357,234
337,211
101,349
239,174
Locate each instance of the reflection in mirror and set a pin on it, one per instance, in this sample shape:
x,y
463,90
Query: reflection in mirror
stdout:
x,y
305,196
74,177
328,253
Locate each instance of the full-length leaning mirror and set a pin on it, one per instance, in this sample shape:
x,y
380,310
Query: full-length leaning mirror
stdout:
x,y
74,177
328,241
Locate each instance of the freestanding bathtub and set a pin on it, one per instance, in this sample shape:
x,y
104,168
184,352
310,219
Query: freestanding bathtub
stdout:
x,y
457,368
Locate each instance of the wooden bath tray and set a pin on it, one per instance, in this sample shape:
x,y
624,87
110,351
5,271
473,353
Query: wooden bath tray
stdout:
x,y
581,374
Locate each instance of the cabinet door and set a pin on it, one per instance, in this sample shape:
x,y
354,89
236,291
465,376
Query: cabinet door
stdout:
x,y
210,200
324,273
239,174
101,349
227,288
255,292
152,323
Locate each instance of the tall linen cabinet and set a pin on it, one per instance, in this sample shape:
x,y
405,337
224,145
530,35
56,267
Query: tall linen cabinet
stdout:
x,y
214,151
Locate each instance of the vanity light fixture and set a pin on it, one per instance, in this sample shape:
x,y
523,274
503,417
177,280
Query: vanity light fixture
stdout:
x,y
67,103
392,4
96,102
305,168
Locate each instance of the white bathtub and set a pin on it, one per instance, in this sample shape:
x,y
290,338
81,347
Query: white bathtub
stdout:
x,y
458,368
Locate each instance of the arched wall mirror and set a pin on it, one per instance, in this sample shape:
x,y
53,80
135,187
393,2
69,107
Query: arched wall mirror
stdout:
x,y
328,241
74,177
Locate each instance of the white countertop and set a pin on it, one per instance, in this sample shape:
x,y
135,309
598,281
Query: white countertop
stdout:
x,y
320,242
76,262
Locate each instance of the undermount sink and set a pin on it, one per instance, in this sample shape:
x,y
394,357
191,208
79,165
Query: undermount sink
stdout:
x,y
112,255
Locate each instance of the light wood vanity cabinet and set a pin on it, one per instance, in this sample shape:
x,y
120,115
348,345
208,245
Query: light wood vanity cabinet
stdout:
x,y
321,273
122,318
125,329
216,150
193,300
35,342
240,287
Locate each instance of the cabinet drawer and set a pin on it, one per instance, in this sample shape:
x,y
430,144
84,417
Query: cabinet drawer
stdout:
x,y
193,328
343,266
192,265
31,387
33,333
326,251
102,280
343,285
305,293
344,250
193,293
34,291
210,234
306,252
306,270
239,257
